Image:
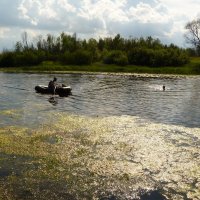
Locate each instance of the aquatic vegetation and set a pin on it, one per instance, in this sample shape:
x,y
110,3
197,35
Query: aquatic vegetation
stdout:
x,y
11,113
80,157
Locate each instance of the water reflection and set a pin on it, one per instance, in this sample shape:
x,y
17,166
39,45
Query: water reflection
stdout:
x,y
53,101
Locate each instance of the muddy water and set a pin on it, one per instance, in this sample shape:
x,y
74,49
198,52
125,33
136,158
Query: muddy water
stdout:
x,y
96,149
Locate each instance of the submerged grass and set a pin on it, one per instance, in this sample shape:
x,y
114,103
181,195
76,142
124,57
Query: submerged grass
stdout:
x,y
192,68
99,158
11,113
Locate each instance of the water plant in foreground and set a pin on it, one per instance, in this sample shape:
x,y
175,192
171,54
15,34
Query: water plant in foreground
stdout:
x,y
99,158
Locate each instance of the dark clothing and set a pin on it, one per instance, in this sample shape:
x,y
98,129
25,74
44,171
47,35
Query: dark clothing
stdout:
x,y
52,86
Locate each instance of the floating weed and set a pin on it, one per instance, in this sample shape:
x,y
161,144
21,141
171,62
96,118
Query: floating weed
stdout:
x,y
79,157
14,130
125,177
80,152
50,138
11,113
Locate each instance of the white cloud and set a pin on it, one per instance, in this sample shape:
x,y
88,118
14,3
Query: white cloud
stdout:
x,y
181,10
3,32
8,37
145,13
164,19
66,5
34,11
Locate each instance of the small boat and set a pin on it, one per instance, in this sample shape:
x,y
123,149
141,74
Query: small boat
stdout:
x,y
62,91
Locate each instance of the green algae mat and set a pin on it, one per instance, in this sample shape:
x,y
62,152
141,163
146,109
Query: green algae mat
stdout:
x,y
80,157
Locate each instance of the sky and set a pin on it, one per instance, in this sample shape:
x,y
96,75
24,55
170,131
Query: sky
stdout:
x,y
162,19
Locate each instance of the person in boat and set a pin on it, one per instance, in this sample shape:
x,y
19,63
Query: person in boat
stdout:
x,y
52,85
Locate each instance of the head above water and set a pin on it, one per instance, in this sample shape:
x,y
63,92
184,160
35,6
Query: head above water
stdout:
x,y
163,87
54,79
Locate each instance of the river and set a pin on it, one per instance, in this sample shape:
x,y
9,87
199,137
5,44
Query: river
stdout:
x,y
118,136
104,95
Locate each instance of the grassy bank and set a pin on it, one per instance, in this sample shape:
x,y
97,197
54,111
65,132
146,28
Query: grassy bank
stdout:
x,y
192,68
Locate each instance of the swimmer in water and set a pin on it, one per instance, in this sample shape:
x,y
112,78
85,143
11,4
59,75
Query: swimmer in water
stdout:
x,y
163,87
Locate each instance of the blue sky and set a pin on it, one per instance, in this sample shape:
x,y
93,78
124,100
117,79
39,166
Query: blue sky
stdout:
x,y
163,19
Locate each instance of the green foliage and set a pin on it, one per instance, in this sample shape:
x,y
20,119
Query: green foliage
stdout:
x,y
69,50
79,57
82,57
191,52
92,47
158,57
66,58
28,58
116,57
7,59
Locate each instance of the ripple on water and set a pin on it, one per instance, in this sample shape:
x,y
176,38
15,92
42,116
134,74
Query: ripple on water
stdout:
x,y
105,95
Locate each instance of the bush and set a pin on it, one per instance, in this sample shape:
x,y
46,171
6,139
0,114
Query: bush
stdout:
x,y
116,57
7,59
79,57
29,58
141,56
82,57
122,60
67,58
158,57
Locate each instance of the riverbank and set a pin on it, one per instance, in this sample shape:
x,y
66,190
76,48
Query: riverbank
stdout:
x,y
193,68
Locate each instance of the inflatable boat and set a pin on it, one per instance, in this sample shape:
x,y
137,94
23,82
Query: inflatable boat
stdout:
x,y
62,91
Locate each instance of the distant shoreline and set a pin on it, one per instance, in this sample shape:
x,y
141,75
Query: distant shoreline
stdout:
x,y
136,75
192,68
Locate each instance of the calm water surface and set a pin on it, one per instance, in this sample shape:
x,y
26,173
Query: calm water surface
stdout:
x,y
102,95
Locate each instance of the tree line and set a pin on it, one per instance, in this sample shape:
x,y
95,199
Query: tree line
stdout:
x,y
69,50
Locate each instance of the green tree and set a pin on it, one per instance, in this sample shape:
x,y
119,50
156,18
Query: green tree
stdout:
x,y
7,59
116,57
92,47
